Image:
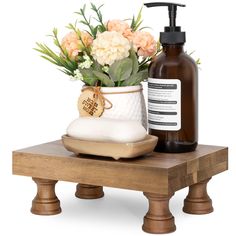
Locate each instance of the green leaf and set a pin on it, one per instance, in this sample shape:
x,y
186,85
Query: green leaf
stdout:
x,y
132,23
100,28
190,54
136,22
134,59
198,61
95,30
144,74
145,27
99,19
88,77
137,25
93,7
97,67
121,70
84,7
67,72
83,22
126,19
77,12
57,58
136,79
139,17
72,27
55,31
100,7
130,81
49,59
47,52
104,79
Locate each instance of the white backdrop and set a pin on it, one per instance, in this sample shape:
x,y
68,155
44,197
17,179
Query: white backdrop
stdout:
x,y
37,102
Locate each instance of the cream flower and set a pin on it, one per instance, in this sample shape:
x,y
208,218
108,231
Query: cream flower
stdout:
x,y
87,62
144,43
110,46
73,45
121,27
105,69
77,75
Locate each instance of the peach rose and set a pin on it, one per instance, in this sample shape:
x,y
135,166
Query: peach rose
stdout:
x,y
121,27
144,43
73,45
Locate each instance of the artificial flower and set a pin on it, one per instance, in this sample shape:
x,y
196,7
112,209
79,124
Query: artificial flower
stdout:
x,y
77,75
144,43
73,44
121,27
86,64
86,38
112,53
110,46
105,69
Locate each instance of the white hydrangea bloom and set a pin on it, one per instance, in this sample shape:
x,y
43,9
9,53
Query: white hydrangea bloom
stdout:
x,y
110,46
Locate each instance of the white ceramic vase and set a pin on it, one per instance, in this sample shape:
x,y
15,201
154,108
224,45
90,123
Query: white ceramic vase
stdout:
x,y
127,103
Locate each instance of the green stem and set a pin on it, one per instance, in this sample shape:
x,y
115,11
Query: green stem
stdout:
x,y
99,15
59,45
88,24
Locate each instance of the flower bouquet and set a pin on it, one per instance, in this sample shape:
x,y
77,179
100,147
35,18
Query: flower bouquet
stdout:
x,y
111,58
108,54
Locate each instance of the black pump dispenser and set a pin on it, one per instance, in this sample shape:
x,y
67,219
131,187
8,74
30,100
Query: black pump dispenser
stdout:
x,y
172,33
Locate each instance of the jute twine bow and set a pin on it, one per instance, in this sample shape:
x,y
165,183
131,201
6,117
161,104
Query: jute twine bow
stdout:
x,y
98,95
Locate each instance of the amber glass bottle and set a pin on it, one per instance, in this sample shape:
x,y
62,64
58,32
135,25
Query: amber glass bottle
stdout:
x,y
171,64
173,91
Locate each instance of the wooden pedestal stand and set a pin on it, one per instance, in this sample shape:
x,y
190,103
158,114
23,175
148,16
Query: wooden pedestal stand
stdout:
x,y
158,175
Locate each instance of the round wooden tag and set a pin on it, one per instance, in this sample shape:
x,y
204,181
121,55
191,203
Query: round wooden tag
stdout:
x,y
89,104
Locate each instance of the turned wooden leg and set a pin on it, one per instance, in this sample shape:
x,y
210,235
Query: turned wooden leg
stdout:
x,y
198,201
85,191
158,219
46,201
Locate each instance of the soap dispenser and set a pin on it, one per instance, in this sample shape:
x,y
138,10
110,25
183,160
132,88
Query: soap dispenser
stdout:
x,y
173,90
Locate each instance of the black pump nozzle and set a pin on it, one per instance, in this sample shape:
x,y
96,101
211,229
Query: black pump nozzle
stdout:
x,y
172,7
166,37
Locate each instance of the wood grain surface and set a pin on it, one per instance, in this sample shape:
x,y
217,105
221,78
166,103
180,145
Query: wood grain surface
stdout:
x,y
159,173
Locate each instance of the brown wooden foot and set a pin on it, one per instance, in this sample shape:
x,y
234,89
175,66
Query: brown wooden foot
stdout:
x,y
46,201
158,219
198,201
85,191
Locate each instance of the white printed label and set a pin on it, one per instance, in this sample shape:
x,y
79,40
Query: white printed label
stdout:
x,y
164,104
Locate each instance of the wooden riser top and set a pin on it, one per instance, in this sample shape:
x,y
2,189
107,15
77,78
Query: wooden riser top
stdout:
x,y
157,173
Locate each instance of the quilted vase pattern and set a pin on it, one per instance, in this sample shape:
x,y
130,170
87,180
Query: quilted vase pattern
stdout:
x,y
127,103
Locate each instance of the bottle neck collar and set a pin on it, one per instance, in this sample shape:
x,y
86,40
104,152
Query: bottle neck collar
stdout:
x,y
173,49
